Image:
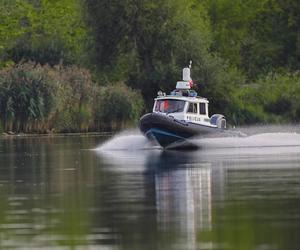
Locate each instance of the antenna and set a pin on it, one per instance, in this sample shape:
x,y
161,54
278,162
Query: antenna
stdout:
x,y
190,66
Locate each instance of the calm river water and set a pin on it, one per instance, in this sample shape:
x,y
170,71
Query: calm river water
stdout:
x,y
97,192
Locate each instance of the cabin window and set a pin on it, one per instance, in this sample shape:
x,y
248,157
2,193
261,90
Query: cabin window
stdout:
x,y
193,108
202,109
169,106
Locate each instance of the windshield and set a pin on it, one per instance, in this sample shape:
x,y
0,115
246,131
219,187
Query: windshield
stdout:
x,y
169,106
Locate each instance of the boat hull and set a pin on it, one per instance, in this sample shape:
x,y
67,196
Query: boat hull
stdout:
x,y
167,130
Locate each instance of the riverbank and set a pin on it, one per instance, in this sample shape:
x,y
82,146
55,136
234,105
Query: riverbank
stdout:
x,y
25,135
40,99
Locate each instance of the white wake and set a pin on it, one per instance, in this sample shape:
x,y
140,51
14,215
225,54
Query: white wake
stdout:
x,y
132,140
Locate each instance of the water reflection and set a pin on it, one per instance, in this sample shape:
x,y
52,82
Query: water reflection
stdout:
x,y
44,201
56,194
226,201
183,190
183,200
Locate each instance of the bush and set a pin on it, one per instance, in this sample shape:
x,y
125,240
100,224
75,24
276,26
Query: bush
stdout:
x,y
75,97
116,106
271,99
27,97
35,98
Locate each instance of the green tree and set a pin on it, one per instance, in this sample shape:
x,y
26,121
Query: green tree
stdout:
x,y
11,16
150,41
41,30
257,36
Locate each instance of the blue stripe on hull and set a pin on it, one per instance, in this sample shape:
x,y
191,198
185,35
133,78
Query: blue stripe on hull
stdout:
x,y
164,138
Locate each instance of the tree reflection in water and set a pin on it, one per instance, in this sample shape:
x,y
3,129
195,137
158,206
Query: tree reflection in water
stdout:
x,y
54,194
227,200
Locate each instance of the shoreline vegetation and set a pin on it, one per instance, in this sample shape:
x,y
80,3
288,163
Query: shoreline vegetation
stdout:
x,y
95,65
45,99
34,135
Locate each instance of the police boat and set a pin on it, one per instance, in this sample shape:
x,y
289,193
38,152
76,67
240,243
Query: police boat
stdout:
x,y
177,117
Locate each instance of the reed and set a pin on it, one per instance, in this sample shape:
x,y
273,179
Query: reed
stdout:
x,y
41,99
115,107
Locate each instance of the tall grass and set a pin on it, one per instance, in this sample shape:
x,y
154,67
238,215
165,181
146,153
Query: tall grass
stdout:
x,y
35,98
27,98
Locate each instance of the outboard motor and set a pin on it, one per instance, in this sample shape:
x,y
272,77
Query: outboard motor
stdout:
x,y
218,120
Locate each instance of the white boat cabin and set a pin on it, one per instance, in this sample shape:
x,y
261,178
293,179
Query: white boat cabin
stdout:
x,y
190,109
183,104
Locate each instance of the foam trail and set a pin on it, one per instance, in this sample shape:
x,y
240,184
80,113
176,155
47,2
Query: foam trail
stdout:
x,y
258,140
131,140
130,151
126,140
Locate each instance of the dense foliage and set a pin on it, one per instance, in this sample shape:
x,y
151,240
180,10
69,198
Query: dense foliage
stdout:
x,y
149,42
116,107
45,31
246,57
235,46
257,36
274,98
35,98
26,98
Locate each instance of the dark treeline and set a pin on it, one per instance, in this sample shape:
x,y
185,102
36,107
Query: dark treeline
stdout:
x,y
86,65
